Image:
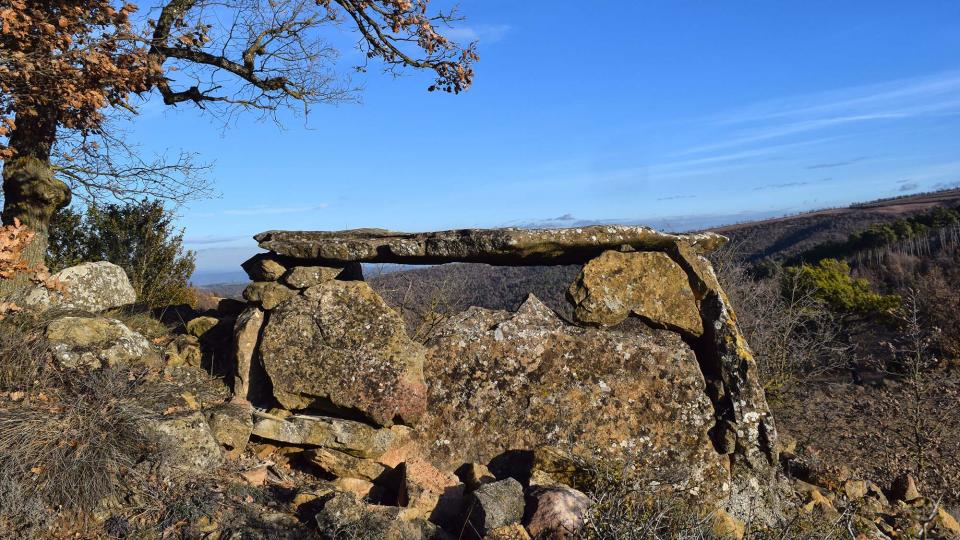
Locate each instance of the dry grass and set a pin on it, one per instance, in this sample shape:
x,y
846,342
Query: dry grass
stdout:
x,y
141,322
77,445
24,355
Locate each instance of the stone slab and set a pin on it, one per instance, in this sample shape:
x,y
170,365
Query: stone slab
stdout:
x,y
507,247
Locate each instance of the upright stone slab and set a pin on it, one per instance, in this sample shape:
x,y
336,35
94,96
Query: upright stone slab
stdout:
x,y
246,334
502,381
339,347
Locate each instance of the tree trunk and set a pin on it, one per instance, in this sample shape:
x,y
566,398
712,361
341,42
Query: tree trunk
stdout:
x,y
31,193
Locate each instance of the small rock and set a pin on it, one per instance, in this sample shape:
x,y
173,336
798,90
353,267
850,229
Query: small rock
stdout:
x,y
788,446
475,475
201,325
267,294
231,425
184,350
510,532
354,438
96,342
495,505
904,488
558,467
356,486
345,516
855,489
246,333
947,523
431,493
256,476
726,527
648,284
344,465
304,277
556,513
190,442
817,502
262,267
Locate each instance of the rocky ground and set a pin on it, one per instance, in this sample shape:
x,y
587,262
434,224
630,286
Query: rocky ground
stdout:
x,y
118,424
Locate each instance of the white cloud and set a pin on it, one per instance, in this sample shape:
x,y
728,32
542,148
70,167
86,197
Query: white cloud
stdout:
x,y
886,97
486,33
263,211
935,95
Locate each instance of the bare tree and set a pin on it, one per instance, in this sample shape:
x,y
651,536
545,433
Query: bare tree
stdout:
x,y
69,68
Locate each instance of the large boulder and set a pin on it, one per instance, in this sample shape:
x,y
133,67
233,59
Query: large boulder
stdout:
x,y
340,347
91,287
502,381
97,342
647,284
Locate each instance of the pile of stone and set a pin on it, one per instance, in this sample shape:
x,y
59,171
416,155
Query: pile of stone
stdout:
x,y
84,332
834,494
331,371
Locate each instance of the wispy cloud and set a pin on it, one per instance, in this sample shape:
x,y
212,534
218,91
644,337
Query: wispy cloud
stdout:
x,y
677,197
934,95
834,164
486,33
265,211
212,239
940,88
783,185
909,186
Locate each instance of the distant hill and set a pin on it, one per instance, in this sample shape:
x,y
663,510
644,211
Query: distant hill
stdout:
x,y
787,236
454,287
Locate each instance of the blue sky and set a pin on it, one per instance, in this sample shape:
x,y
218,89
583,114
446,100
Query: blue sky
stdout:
x,y
670,112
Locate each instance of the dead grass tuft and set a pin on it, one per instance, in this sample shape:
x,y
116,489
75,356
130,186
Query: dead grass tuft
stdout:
x,y
77,446
25,361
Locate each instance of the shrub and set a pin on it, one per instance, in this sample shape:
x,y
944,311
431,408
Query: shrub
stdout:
x,y
830,281
139,237
793,335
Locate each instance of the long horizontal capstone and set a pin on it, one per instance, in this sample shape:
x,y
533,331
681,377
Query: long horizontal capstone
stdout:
x,y
507,247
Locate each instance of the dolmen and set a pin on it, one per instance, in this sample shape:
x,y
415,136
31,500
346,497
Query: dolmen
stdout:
x,y
671,401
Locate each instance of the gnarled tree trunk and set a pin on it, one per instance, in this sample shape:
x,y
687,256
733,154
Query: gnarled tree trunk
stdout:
x,y
31,193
